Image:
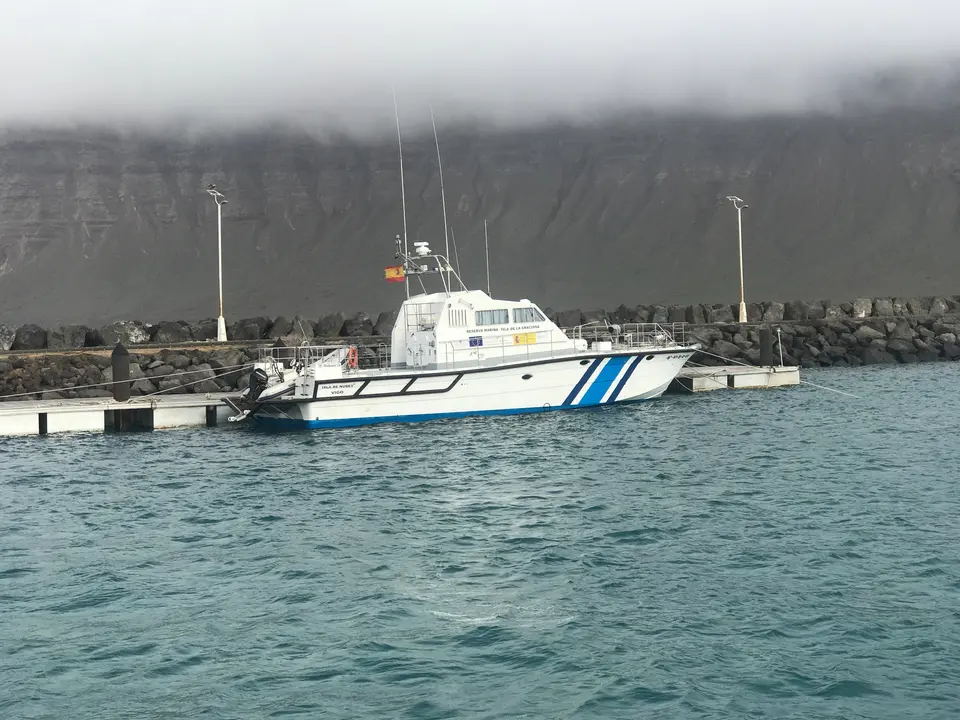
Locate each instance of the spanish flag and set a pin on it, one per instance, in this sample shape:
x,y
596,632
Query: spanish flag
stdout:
x,y
394,274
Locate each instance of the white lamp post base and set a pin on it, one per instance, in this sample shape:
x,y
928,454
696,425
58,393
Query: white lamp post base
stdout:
x,y
743,312
221,329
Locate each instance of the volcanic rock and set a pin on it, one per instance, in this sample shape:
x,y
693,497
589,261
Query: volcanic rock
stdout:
x,y
725,349
939,306
385,322
67,337
249,329
721,314
883,307
30,337
125,332
876,356
773,312
280,327
205,330
357,325
865,334
172,332
329,326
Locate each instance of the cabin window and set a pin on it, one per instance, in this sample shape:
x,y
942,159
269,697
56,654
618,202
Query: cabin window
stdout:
x,y
457,318
493,317
527,315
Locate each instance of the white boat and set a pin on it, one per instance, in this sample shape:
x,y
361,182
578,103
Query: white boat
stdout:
x,y
457,353
461,353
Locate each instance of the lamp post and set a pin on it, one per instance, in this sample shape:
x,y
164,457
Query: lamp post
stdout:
x,y
740,205
220,199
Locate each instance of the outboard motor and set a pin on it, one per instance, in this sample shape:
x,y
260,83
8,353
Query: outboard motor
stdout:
x,y
258,383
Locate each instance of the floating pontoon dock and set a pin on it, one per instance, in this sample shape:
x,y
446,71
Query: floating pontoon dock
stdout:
x,y
44,417
736,377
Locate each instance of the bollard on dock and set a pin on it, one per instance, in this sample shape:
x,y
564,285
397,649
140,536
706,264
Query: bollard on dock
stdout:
x,y
120,360
766,347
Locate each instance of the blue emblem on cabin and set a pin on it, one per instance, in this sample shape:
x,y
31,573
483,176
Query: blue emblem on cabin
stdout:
x,y
476,341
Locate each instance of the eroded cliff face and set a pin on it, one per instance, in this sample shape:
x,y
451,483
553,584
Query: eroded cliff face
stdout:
x,y
97,226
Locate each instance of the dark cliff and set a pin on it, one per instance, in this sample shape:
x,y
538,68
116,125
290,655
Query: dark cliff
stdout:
x,y
97,226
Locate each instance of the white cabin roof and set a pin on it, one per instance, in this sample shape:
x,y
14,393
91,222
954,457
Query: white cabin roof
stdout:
x,y
477,298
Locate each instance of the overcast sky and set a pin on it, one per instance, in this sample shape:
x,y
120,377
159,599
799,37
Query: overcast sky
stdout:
x,y
333,63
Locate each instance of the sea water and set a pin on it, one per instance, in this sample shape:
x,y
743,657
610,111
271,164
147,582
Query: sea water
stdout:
x,y
753,554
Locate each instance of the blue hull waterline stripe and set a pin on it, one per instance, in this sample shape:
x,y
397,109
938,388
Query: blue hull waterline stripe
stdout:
x,y
290,423
598,388
623,381
583,381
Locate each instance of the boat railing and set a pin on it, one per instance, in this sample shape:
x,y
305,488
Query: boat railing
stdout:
x,y
498,349
382,360
368,357
591,337
491,350
631,335
301,355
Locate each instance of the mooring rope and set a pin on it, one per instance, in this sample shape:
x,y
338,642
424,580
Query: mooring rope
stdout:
x,y
131,380
195,382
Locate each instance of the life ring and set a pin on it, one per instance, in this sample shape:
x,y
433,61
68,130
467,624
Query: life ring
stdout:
x,y
353,358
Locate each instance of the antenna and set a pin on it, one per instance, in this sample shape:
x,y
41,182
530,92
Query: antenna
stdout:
x,y
403,198
486,247
456,253
443,199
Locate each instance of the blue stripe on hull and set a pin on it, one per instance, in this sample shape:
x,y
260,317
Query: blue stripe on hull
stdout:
x,y
598,388
624,379
290,423
583,381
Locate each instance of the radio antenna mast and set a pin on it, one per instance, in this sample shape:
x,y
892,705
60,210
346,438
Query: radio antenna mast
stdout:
x,y
486,247
443,200
403,199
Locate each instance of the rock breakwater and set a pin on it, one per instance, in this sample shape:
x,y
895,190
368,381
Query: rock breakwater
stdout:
x,y
299,329
866,331
134,332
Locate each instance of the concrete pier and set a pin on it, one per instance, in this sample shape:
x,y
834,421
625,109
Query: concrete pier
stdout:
x,y
735,377
46,417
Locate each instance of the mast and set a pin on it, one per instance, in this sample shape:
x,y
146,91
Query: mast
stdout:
x,y
403,199
443,199
486,247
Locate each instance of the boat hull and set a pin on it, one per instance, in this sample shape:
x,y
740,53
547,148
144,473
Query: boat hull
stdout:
x,y
580,381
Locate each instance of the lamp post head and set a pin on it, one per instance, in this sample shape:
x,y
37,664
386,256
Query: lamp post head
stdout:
x,y
737,202
216,194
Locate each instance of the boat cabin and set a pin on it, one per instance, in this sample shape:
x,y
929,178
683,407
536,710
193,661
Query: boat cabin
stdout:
x,y
469,328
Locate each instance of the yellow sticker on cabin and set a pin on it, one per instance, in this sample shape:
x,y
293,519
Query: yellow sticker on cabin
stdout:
x,y
525,339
